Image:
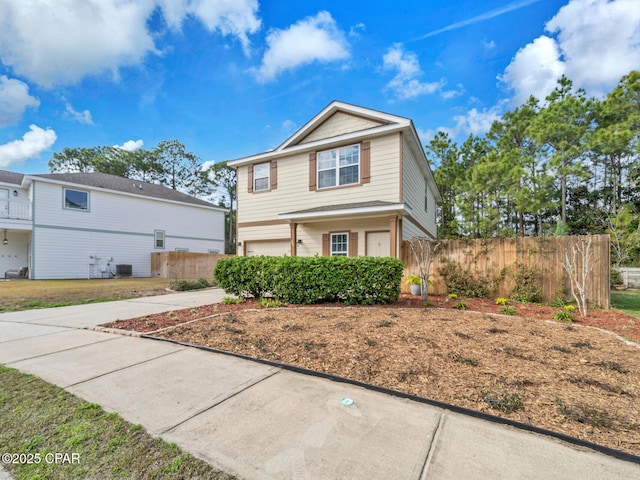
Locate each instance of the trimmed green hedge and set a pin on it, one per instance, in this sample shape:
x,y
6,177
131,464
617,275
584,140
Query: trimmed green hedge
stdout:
x,y
305,280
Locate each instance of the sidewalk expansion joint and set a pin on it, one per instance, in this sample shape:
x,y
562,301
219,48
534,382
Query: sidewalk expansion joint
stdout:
x,y
432,447
221,401
122,368
61,350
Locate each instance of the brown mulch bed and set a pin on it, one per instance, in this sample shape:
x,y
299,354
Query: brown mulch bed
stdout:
x,y
578,381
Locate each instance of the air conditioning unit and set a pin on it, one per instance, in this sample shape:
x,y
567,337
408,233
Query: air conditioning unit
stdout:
x,y
123,270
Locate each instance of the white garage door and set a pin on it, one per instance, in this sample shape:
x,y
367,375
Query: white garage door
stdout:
x,y
275,248
378,244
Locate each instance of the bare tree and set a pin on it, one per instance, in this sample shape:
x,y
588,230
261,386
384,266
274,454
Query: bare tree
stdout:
x,y
424,251
579,264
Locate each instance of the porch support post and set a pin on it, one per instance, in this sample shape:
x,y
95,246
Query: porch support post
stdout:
x,y
294,239
393,236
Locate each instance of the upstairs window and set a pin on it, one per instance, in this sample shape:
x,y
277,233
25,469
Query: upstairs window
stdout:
x,y
261,177
76,199
339,167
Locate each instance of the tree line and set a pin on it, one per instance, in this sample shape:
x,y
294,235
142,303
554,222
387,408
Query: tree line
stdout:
x,y
568,165
169,164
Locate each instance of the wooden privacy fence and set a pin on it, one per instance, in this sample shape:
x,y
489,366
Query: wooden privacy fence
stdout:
x,y
184,265
497,258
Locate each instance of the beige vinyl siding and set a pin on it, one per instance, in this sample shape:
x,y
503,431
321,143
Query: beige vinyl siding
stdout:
x,y
264,233
311,233
339,123
293,185
413,186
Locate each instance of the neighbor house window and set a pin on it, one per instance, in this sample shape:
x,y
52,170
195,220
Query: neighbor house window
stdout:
x,y
158,239
426,195
261,177
339,244
76,199
338,167
182,249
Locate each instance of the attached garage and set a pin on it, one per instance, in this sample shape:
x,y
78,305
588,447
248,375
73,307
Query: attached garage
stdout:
x,y
274,248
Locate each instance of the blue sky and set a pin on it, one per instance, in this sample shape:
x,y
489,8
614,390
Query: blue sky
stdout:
x,y
231,78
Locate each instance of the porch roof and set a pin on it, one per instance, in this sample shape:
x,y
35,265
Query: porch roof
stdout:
x,y
357,209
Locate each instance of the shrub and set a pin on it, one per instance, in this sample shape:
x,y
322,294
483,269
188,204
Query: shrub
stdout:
x,y
464,282
183,285
508,310
461,305
305,280
501,301
565,315
528,288
269,303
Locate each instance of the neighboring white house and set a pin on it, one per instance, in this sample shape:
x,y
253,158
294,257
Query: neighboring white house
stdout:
x,y
352,181
93,225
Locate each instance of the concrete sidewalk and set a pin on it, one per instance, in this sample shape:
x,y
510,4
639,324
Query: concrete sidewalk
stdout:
x,y
262,422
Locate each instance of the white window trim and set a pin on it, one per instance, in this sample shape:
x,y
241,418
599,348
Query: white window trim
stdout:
x,y
155,240
64,199
339,254
338,167
256,178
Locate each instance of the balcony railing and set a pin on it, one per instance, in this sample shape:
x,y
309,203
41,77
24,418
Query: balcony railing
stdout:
x,y
14,209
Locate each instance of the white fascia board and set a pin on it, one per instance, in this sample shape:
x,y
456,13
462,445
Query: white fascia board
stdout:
x,y
322,144
400,208
126,194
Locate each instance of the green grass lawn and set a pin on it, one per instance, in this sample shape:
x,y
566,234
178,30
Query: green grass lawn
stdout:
x,y
40,420
28,294
627,300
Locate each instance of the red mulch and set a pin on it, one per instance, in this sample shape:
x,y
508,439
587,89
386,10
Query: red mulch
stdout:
x,y
611,320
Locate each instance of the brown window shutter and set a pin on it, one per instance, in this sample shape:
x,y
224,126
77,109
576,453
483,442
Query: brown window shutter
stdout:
x,y
365,161
312,171
250,189
274,175
326,248
353,244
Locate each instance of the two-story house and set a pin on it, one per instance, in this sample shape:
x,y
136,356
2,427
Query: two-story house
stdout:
x,y
86,225
352,181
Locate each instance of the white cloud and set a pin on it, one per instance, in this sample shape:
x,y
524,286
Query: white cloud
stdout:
x,y
313,39
406,84
599,41
58,42
593,42
448,94
289,125
230,17
534,70
14,100
33,143
474,122
130,145
81,117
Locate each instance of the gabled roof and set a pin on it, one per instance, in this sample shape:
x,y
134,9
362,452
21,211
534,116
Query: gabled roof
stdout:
x,y
387,123
121,184
336,106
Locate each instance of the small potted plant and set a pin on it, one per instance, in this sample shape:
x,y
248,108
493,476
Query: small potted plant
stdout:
x,y
415,284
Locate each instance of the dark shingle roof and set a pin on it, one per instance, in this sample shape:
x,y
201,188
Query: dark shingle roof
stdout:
x,y
10,177
127,185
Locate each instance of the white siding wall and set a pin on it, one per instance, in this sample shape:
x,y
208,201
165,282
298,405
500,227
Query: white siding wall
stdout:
x,y
15,254
116,226
413,186
338,124
292,192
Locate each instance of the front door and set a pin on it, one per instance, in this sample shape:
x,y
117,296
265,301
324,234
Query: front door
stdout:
x,y
378,244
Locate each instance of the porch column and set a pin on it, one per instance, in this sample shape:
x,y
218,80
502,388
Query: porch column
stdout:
x,y
393,236
294,239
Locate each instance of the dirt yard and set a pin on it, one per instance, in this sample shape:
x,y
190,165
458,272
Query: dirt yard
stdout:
x,y
578,381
